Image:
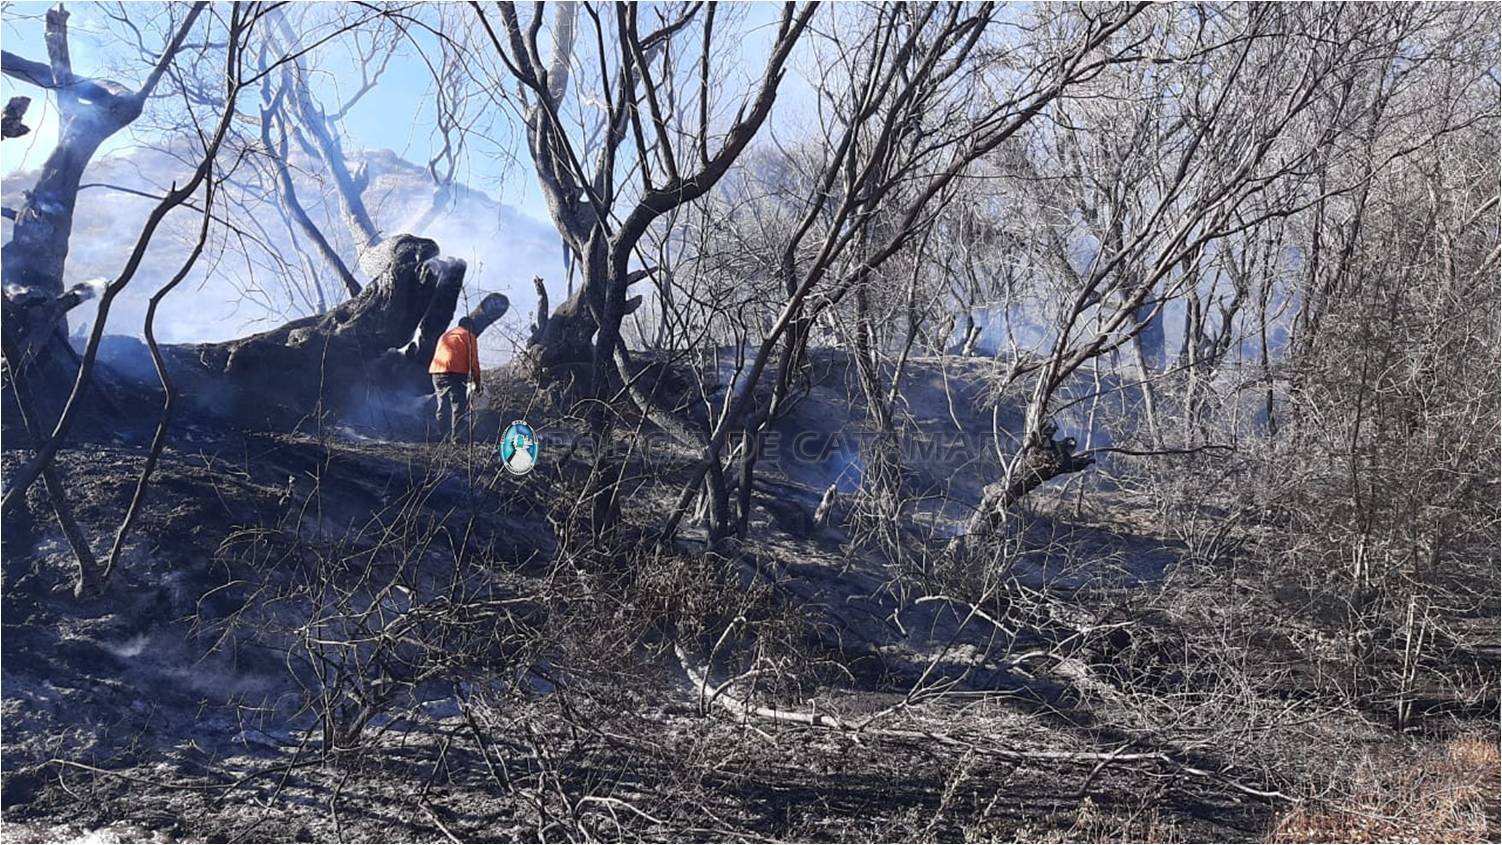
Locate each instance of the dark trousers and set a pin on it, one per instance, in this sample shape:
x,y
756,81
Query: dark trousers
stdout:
x,y
453,402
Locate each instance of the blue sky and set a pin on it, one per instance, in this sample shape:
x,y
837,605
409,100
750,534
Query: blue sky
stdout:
x,y
398,115
405,90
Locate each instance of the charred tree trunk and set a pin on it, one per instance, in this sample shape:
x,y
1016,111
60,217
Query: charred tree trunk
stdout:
x,y
561,341
34,259
1042,458
564,343
89,112
363,361
38,249
972,337
492,308
35,345
15,113
717,505
791,367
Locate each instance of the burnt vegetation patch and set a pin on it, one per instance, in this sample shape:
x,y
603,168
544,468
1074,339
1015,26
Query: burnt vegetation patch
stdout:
x,y
1052,424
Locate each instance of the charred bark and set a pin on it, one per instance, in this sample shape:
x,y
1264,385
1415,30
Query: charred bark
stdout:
x,y
562,343
492,308
1042,458
89,112
365,361
15,112
35,345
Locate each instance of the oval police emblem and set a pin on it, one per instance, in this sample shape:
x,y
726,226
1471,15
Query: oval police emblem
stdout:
x,y
519,448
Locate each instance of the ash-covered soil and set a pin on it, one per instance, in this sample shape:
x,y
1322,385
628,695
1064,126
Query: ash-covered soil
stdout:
x,y
329,636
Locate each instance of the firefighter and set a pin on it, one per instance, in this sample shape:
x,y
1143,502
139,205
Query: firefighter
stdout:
x,y
456,361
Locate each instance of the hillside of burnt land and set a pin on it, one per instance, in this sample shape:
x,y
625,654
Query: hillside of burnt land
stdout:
x,y
330,635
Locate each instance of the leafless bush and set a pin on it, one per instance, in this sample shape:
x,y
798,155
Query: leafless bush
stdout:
x,y
373,613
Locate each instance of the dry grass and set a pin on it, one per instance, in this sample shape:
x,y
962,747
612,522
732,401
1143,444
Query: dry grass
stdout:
x,y
1147,824
1445,793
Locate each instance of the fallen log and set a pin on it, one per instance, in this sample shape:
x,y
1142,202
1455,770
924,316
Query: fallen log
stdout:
x,y
364,362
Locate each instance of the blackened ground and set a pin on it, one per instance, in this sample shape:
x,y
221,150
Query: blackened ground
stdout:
x,y
175,705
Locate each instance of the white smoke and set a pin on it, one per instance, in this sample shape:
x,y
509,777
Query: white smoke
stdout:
x,y
229,294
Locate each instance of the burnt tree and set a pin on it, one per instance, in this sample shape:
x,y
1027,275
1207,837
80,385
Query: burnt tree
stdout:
x,y
364,361
652,153
597,216
89,112
1042,458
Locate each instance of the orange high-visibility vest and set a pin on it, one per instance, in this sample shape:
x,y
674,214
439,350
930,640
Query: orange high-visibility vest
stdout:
x,y
458,352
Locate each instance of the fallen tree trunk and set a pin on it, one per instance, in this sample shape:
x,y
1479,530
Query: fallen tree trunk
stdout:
x,y
363,362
